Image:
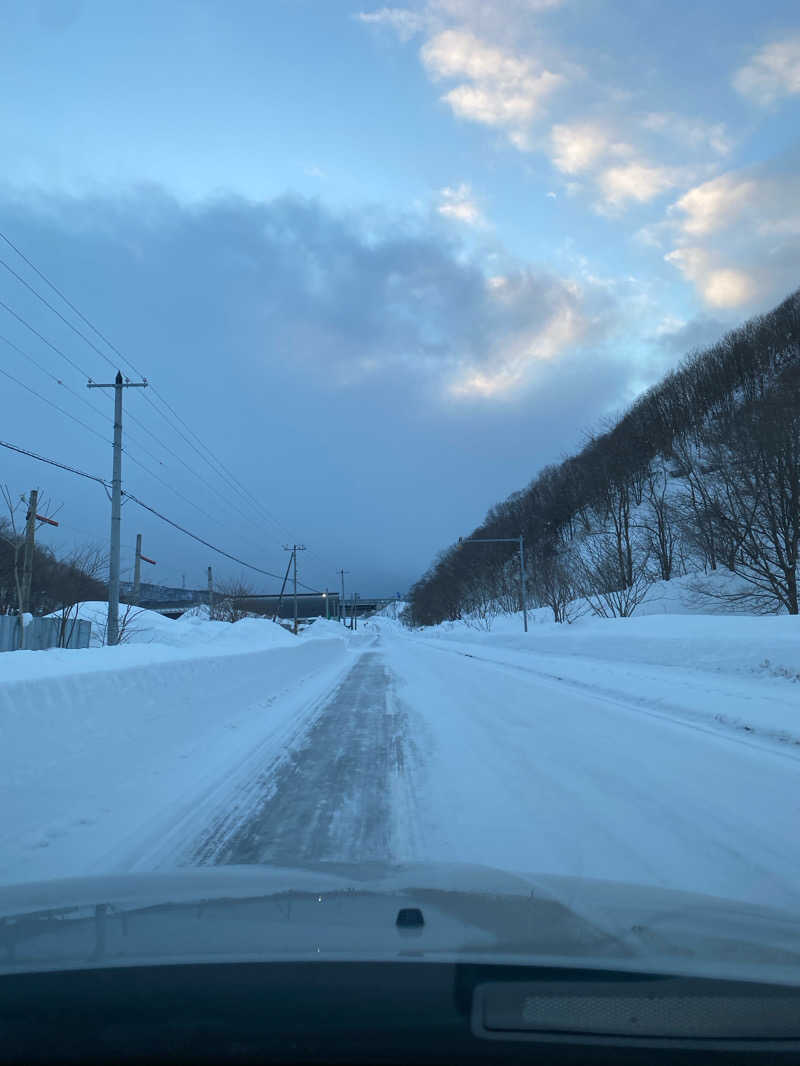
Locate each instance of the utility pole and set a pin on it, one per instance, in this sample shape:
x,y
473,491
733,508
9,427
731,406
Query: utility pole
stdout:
x,y
137,569
31,518
27,564
283,589
295,548
210,594
327,606
355,611
342,604
112,629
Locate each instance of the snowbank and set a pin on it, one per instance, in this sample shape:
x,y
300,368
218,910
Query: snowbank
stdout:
x,y
106,753
739,672
764,646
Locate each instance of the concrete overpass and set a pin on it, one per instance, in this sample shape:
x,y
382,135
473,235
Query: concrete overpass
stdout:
x,y
309,604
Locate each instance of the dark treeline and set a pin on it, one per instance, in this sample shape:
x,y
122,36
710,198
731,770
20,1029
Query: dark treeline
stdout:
x,y
701,473
55,583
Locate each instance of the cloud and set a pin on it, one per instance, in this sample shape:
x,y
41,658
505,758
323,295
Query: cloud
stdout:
x,y
458,203
772,73
509,72
322,356
678,337
406,24
691,133
737,237
716,204
499,88
544,320
720,287
636,182
575,148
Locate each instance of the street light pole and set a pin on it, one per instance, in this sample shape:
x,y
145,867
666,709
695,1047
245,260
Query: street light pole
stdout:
x,y
522,595
520,541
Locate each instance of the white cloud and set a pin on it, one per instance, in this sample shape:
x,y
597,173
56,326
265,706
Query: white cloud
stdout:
x,y
689,133
715,204
578,147
458,203
522,351
499,88
772,73
720,287
736,237
552,318
636,182
405,23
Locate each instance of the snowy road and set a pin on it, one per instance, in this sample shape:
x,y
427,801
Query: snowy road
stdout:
x,y
334,795
423,754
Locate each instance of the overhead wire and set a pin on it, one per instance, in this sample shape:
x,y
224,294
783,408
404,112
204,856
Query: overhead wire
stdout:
x,y
227,475
147,507
67,414
220,470
55,406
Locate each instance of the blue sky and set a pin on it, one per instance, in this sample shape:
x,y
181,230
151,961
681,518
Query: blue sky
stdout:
x,y
389,260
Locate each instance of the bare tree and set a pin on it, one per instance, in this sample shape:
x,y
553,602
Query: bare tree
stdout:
x,y
231,600
758,467
659,522
555,582
610,592
79,581
480,604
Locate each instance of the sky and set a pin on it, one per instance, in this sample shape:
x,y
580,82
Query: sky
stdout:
x,y
379,264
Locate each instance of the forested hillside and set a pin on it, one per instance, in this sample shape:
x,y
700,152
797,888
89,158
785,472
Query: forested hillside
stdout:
x,y
701,473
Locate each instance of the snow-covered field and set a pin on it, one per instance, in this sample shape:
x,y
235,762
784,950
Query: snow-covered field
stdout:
x,y
662,749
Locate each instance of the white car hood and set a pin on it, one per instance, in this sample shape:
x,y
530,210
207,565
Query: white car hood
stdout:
x,y
338,912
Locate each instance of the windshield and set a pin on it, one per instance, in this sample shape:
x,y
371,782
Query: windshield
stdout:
x,y
401,456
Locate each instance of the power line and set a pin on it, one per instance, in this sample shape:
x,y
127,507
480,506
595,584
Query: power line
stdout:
x,y
92,430
226,476
135,499
70,305
44,339
54,462
55,406
92,407
55,311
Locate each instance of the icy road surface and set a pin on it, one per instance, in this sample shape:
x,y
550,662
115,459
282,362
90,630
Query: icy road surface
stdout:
x,y
422,753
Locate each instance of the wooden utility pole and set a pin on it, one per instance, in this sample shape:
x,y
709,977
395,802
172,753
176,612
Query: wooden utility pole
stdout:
x,y
118,384
137,569
283,589
295,548
27,564
342,604
210,594
24,590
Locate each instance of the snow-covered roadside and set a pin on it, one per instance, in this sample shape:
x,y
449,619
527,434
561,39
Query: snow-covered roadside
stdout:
x,y
104,752
730,672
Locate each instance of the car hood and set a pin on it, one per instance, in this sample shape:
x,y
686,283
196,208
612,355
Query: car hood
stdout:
x,y
338,912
